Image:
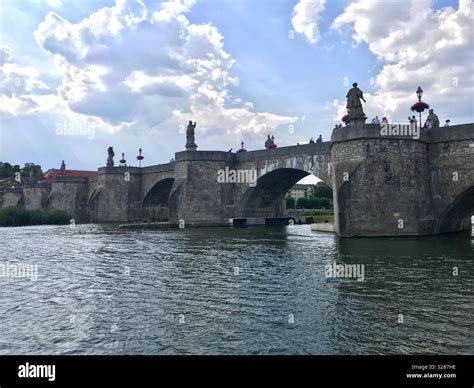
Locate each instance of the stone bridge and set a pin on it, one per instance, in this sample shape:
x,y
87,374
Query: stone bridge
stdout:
x,y
382,185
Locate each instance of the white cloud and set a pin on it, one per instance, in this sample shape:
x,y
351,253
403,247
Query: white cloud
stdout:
x,y
306,16
17,85
417,46
55,3
135,70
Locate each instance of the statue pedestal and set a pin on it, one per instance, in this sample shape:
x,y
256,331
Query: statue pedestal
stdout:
x,y
355,120
191,147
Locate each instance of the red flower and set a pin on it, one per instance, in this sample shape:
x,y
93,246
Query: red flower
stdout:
x,y
346,118
419,106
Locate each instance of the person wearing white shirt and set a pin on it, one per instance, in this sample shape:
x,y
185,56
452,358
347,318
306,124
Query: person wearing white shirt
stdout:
x,y
376,120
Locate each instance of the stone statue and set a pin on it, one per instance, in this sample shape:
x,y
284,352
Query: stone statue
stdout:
x,y
433,118
190,144
62,169
354,106
110,158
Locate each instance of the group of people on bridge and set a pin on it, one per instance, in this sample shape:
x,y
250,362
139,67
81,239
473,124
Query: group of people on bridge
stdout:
x,y
432,121
318,140
270,142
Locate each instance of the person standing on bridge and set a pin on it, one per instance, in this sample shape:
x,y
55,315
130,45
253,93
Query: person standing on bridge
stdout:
x,y
375,120
428,124
319,139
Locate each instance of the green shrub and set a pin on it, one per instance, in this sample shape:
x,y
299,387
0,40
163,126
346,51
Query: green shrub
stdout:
x,y
14,216
313,203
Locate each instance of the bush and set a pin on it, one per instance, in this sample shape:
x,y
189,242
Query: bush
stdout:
x,y
322,190
290,203
314,203
14,216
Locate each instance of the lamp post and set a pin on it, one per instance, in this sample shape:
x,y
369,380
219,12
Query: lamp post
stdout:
x,y
140,157
419,94
242,149
123,161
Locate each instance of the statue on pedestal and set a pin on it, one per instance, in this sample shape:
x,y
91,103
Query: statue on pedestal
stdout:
x,y
110,158
433,117
62,169
190,144
354,105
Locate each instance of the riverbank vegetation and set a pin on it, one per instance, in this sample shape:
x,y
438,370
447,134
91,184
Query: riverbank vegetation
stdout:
x,y
14,216
318,197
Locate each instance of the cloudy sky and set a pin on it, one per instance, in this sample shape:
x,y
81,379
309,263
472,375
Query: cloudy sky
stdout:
x,y
78,76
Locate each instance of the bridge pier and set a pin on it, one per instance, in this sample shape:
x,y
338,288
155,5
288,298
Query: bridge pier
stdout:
x,y
117,195
196,196
381,184
401,185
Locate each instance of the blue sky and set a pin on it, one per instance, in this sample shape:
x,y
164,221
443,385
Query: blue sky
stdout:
x,y
136,82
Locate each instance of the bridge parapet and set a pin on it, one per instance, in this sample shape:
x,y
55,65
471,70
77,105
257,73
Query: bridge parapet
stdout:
x,y
119,170
308,149
158,168
375,131
452,133
205,156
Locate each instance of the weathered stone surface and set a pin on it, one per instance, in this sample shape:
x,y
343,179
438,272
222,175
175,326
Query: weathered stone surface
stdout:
x,y
382,185
398,185
13,198
69,194
35,196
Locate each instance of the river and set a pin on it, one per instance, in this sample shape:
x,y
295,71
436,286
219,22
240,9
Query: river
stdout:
x,y
255,290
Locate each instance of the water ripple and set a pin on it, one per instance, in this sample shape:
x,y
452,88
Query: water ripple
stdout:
x,y
233,291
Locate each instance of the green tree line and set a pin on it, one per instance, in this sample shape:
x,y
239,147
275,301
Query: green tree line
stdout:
x,y
320,198
8,171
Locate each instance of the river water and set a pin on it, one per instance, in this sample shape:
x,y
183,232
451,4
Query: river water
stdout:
x,y
255,290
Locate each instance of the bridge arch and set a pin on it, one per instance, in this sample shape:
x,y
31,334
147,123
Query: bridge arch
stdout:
x,y
266,198
93,204
156,201
458,215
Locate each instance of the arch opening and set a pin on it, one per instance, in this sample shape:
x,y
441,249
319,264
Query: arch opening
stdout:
x,y
459,214
156,202
267,198
93,204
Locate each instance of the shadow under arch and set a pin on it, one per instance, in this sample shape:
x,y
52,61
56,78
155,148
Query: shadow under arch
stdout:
x,y
457,217
156,202
93,204
266,198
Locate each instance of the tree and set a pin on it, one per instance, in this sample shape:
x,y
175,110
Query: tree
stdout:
x,y
7,170
302,203
322,190
36,168
290,203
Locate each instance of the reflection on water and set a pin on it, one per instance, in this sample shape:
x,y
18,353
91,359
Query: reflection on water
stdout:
x,y
234,291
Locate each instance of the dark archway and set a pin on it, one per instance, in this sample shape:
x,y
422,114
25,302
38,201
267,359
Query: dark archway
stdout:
x,y
156,202
266,199
458,215
93,204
